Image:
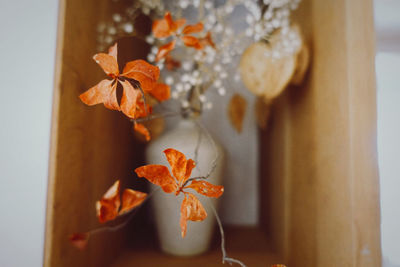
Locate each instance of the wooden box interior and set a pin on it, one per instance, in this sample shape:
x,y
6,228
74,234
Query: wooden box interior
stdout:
x,y
319,178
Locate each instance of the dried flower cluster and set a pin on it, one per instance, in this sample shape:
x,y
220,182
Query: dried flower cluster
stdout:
x,y
179,182
208,66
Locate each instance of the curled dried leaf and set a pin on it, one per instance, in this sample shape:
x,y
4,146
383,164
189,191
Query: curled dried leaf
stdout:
x,y
206,188
181,168
155,127
140,128
79,240
192,210
158,175
171,63
161,92
236,111
143,72
113,51
164,50
195,28
192,41
207,40
131,199
103,92
107,207
108,62
129,99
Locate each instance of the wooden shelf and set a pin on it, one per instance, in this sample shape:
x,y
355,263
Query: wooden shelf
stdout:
x,y
319,186
249,245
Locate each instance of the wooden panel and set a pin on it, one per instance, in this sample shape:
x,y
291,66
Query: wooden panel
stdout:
x,y
249,245
90,146
326,130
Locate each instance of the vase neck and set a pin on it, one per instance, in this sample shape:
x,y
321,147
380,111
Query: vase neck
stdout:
x,y
187,123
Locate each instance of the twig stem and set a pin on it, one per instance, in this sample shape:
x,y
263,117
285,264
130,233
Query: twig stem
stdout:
x,y
225,257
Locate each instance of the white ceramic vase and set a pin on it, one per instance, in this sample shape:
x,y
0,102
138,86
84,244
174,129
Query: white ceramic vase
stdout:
x,y
166,207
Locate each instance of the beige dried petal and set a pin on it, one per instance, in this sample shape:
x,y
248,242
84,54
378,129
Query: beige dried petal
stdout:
x,y
302,63
236,111
265,75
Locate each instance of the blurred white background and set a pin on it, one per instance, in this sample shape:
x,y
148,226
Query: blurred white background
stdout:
x,y
387,24
27,45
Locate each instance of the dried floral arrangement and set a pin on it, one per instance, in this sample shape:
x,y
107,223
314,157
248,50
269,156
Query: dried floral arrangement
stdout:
x,y
196,48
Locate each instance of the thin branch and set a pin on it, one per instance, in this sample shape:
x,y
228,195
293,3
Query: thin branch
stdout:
x,y
155,116
214,163
138,86
201,10
225,257
196,150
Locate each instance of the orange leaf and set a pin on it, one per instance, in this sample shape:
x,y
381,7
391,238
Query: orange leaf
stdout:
x,y
190,164
191,209
160,29
103,92
167,26
113,51
112,194
161,92
174,25
108,62
179,23
192,41
207,40
207,189
79,240
143,72
131,199
193,28
171,63
107,207
140,128
181,168
165,49
129,98
142,110
237,111
158,175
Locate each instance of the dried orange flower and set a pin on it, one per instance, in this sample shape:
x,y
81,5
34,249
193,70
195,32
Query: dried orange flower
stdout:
x,y
191,208
132,98
167,27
